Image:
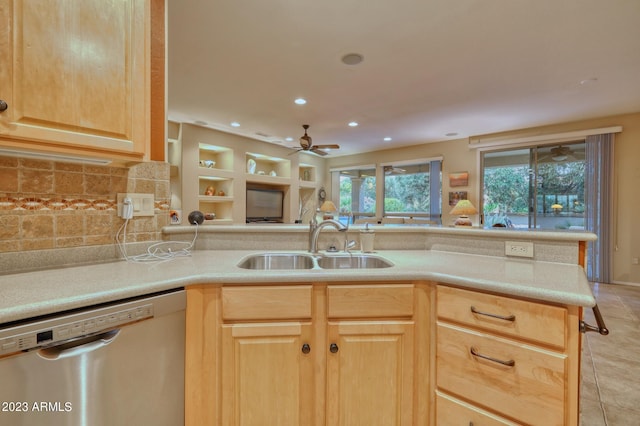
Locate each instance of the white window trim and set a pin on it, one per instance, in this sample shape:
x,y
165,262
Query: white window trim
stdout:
x,y
411,162
484,144
343,169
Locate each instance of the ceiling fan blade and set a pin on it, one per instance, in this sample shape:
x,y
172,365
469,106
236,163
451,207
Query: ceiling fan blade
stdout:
x,y
296,150
332,146
317,151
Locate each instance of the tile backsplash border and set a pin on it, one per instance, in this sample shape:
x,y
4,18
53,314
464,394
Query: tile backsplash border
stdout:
x,y
48,207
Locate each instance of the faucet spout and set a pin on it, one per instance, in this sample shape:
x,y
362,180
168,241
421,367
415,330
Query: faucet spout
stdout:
x,y
314,232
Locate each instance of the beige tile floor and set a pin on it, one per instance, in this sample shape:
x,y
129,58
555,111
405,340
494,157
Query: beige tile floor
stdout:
x,y
610,393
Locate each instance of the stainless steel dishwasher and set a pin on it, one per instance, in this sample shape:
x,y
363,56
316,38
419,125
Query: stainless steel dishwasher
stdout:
x,y
110,365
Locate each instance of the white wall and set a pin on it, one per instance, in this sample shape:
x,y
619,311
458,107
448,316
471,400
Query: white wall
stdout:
x,y
458,157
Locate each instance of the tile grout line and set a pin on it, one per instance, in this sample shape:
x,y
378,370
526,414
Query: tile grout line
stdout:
x,y
595,377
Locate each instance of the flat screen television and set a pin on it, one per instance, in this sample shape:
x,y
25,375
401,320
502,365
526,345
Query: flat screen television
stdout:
x,y
265,205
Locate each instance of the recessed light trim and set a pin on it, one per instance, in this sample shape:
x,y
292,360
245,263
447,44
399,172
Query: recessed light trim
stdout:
x,y
353,124
451,134
352,59
387,139
288,139
300,101
234,124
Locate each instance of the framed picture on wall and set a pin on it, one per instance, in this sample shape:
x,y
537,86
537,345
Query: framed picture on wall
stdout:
x,y
459,179
456,196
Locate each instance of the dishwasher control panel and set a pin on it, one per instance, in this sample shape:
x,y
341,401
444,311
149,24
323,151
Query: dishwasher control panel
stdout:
x,y
66,327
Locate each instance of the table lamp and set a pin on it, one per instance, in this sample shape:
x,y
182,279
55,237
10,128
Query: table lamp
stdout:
x,y
327,208
464,208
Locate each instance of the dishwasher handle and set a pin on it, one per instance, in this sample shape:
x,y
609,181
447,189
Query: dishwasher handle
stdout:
x,y
79,346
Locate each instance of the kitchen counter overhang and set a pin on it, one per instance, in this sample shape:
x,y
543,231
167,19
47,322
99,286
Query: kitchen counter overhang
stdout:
x,y
31,294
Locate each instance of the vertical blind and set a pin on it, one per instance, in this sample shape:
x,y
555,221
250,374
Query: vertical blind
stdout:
x,y
598,182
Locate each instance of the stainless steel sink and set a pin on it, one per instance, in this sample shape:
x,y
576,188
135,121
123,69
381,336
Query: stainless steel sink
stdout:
x,y
353,261
291,261
288,261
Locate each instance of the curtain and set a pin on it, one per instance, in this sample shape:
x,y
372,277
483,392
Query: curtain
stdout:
x,y
435,191
598,182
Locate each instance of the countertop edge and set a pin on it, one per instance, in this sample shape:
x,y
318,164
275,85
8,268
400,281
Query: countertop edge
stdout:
x,y
133,280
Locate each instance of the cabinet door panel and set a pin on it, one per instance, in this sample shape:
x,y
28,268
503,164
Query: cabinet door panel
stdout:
x,y
77,73
266,378
370,301
370,373
271,303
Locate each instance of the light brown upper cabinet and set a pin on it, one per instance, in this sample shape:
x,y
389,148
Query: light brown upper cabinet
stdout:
x,y
83,78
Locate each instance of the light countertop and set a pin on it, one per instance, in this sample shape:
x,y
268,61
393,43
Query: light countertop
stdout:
x,y
31,294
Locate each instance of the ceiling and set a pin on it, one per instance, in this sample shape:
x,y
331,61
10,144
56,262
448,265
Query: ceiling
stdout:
x,y
433,70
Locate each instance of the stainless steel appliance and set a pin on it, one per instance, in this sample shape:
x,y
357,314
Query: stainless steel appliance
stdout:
x,y
110,365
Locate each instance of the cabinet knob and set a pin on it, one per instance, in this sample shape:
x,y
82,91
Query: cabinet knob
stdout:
x,y
3,105
306,348
333,348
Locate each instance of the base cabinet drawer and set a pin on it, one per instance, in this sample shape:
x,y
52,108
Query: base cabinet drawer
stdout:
x,y
453,412
518,318
519,381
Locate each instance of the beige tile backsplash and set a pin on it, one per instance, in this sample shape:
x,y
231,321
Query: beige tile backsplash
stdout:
x,y
48,205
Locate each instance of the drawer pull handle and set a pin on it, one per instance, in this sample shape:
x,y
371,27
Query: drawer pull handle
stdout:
x,y
509,363
306,348
3,105
333,348
487,314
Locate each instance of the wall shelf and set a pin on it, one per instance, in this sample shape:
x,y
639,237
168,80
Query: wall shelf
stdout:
x,y
219,161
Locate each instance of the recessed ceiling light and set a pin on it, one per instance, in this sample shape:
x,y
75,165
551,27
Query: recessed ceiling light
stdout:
x,y
352,59
200,123
235,124
387,139
588,81
353,124
288,139
451,134
300,101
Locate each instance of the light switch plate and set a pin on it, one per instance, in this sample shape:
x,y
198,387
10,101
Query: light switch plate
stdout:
x,y
518,248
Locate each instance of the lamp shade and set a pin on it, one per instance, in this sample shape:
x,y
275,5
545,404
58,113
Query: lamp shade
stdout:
x,y
464,208
556,206
328,206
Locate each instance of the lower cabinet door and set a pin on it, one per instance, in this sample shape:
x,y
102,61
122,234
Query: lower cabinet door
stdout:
x,y
370,373
267,374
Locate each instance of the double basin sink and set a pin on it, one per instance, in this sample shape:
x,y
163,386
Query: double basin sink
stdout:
x,y
291,261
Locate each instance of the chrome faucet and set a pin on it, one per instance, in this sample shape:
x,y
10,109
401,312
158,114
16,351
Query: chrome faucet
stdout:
x,y
315,228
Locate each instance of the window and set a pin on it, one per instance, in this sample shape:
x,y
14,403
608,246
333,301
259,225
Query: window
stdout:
x,y
413,190
538,187
357,192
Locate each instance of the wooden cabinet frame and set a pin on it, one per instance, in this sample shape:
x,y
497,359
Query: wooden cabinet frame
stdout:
x,y
407,326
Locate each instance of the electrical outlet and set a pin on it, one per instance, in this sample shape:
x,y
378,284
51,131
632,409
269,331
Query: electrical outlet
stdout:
x,y
518,249
143,204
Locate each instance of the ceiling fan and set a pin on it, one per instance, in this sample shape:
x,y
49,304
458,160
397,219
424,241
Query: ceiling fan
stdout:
x,y
562,153
391,170
307,145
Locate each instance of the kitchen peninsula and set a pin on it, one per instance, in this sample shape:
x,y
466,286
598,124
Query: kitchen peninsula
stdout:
x,y
404,338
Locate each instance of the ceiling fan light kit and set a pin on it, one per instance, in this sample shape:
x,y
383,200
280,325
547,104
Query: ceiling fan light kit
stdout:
x,y
306,144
